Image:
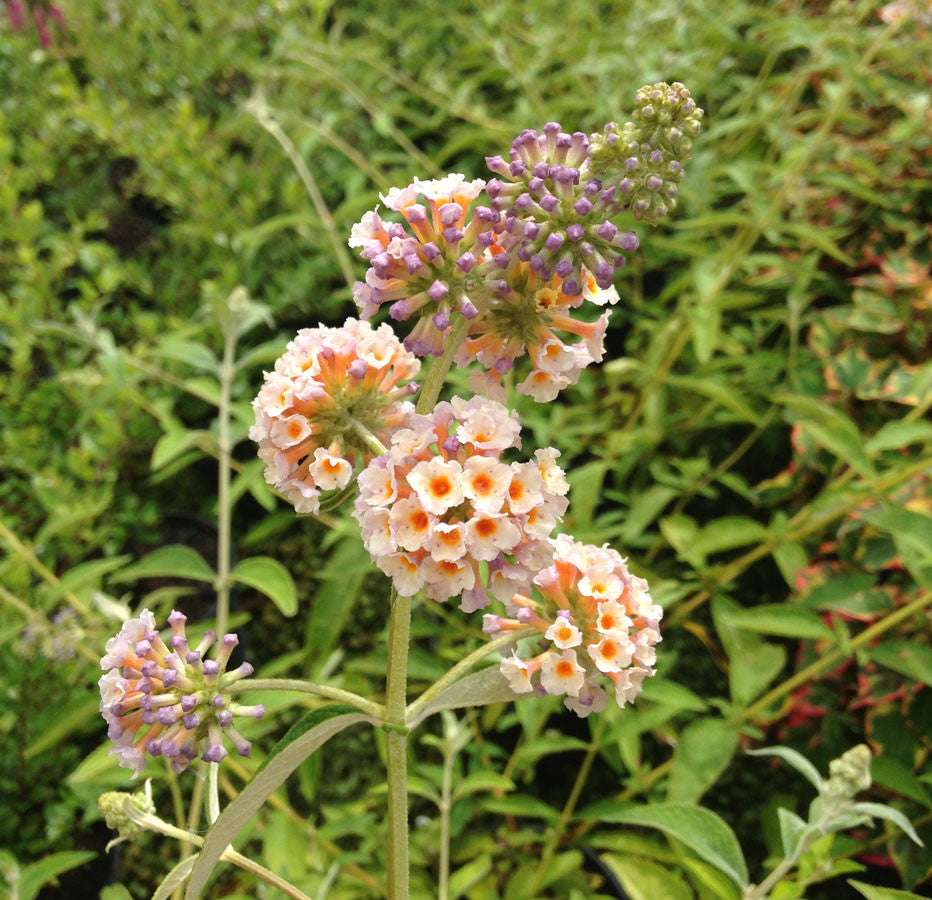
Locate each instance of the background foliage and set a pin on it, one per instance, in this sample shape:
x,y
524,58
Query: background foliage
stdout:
x,y
757,443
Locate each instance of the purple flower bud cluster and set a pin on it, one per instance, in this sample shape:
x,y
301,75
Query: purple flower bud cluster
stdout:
x,y
425,266
644,158
556,216
171,702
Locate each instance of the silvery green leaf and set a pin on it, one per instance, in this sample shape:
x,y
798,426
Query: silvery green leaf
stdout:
x,y
882,811
175,878
791,830
478,689
795,759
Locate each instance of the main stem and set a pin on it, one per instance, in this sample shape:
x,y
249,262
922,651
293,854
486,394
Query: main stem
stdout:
x,y
399,628
396,688
224,507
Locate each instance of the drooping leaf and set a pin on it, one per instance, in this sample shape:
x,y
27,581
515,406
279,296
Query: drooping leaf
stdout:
x,y
701,830
478,689
791,830
795,759
644,879
172,561
781,619
271,578
175,878
301,741
882,811
468,876
873,892
909,658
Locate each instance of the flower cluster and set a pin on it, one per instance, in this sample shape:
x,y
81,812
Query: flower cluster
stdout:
x,y
529,314
597,619
443,512
424,268
173,703
643,160
333,396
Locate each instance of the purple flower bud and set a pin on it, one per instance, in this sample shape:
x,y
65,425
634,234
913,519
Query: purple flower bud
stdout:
x,y
517,168
400,311
656,156
449,213
575,232
524,614
437,291
654,183
494,188
176,619
431,251
357,368
142,648
415,213
554,241
166,716
607,230
552,128
524,201
188,702
215,754
211,667
441,321
412,262
503,364
452,234
564,266
538,263
485,239
486,215
541,170
466,261
468,309
451,444
191,721
549,202
525,253
154,747
536,185
626,185
593,187
497,164
628,240
531,229
631,163
571,287
192,657
225,718
583,206
169,677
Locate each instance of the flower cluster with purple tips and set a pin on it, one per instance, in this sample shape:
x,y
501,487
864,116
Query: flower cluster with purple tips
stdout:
x,y
173,703
547,223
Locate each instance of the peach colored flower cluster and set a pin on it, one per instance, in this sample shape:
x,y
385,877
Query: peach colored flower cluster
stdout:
x,y
330,393
598,625
445,513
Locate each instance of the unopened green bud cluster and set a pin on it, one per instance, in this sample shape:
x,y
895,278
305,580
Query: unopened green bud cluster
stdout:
x,y
112,806
645,157
849,774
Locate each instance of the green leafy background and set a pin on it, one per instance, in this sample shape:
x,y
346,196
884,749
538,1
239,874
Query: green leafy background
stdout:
x,y
757,442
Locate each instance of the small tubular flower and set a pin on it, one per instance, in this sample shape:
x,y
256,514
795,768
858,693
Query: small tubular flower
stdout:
x,y
170,702
599,624
529,313
422,267
332,397
442,512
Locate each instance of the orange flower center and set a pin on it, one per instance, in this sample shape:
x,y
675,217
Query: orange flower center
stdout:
x,y
419,520
482,484
440,486
564,668
486,527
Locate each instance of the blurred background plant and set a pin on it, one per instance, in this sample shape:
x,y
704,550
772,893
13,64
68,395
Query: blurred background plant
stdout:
x,y
758,444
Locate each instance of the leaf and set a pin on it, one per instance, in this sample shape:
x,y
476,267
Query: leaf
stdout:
x,y
699,829
478,689
873,892
175,878
521,805
173,561
546,745
188,352
791,830
479,782
644,879
35,876
909,658
727,533
795,759
116,892
891,772
645,508
467,877
895,435
586,490
88,573
781,619
306,736
172,444
704,749
829,427
68,721
882,811
671,693
271,578
711,884
753,664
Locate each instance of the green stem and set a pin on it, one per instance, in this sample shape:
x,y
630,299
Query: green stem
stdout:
x,y
213,793
399,628
437,372
370,440
224,506
460,669
446,805
309,687
762,890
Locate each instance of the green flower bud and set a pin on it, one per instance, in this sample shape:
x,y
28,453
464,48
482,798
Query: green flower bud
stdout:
x,y
849,774
112,806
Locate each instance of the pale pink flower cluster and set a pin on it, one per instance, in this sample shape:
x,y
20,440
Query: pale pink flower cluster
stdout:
x,y
330,393
599,624
443,511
